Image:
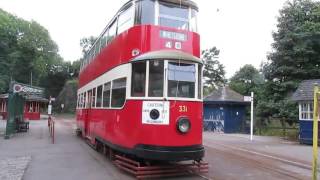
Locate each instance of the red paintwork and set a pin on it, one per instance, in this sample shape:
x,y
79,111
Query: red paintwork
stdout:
x,y
146,38
27,115
124,127
31,115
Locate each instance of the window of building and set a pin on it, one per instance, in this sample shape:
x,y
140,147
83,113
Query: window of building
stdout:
x,y
106,95
112,32
138,79
118,92
306,111
99,96
156,68
172,15
181,80
126,19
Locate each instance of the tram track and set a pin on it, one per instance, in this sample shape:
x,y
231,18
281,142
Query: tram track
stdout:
x,y
276,166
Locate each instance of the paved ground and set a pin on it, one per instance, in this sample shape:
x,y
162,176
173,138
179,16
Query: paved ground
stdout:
x,y
236,157
31,156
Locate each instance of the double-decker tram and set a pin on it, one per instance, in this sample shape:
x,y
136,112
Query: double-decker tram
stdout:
x,y
140,90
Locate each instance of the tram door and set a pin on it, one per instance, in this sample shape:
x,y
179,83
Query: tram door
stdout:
x,y
87,115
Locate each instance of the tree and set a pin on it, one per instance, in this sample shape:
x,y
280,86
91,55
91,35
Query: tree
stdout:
x,y
86,43
68,97
295,57
246,80
214,73
26,47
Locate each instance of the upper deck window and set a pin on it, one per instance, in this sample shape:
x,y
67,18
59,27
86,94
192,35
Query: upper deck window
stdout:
x,y
194,21
172,15
112,31
147,12
126,19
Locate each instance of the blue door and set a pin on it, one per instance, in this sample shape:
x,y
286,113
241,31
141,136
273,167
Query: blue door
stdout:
x,y
214,118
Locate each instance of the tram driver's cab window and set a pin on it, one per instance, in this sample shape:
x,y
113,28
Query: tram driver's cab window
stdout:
x,y
181,80
118,92
138,79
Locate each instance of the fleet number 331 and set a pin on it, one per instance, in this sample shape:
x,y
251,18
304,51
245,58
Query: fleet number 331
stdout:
x,y
183,108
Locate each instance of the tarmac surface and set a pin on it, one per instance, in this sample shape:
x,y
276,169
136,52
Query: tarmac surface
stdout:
x,y
32,156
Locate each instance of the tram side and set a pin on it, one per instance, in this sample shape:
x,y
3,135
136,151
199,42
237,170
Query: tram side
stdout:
x,y
140,93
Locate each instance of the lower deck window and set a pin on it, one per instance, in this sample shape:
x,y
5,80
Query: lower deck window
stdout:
x,y
138,79
99,96
93,98
118,92
106,95
156,78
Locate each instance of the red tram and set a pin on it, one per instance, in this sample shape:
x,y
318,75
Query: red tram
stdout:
x,y
140,90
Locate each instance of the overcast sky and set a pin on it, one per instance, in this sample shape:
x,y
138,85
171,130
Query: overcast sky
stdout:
x,y
240,29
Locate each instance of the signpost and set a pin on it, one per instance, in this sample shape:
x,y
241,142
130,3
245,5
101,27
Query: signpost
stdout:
x,y
250,99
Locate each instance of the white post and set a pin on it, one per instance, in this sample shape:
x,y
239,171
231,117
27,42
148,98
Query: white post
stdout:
x,y
251,122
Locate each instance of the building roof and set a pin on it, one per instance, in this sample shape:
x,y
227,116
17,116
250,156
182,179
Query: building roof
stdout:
x,y
305,90
35,98
224,95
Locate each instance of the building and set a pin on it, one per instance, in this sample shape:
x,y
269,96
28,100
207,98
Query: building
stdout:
x,y
304,96
32,107
224,111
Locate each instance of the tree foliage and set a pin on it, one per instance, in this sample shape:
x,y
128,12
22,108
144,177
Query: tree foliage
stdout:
x,y
86,43
295,57
214,72
25,48
246,80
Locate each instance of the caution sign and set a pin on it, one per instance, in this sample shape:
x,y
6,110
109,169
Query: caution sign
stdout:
x,y
155,112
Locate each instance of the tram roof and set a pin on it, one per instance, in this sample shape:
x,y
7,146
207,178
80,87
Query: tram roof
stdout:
x,y
179,2
168,54
182,2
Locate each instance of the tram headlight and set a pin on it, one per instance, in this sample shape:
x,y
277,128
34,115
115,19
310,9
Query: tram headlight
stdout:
x,y
154,114
183,125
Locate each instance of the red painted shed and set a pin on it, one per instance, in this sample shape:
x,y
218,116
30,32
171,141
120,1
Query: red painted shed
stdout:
x,y
33,106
